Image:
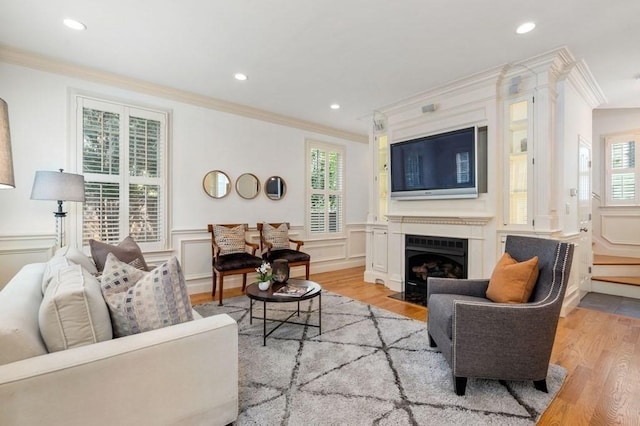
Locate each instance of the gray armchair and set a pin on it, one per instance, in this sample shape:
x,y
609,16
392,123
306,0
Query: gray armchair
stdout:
x,y
483,339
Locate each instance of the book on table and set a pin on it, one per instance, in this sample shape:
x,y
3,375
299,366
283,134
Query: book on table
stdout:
x,y
293,290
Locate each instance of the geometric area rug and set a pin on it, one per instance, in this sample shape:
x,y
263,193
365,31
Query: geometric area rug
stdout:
x,y
368,367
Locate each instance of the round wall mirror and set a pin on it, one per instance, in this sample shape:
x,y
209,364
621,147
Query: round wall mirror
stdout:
x,y
275,188
216,184
248,186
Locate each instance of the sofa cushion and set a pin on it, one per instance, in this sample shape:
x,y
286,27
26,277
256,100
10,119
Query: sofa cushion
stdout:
x,y
76,256
51,268
63,257
126,251
277,236
19,303
142,301
230,240
73,312
513,281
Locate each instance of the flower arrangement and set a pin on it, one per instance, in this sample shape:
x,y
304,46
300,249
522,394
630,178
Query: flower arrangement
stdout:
x,y
264,272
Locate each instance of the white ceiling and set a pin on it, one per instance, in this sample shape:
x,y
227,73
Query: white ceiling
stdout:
x,y
303,55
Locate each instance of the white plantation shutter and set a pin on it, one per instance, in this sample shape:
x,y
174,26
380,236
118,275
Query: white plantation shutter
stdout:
x,y
325,187
123,161
621,170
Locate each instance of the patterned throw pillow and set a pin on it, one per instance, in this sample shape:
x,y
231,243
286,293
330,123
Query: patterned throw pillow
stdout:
x,y
279,236
141,301
230,240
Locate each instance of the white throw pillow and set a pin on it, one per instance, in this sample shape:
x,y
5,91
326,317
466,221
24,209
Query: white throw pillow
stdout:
x,y
73,312
141,301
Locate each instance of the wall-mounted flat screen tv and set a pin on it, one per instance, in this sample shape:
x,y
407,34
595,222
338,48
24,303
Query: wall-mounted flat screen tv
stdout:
x,y
438,166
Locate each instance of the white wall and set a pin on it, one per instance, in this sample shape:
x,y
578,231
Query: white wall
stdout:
x,y
616,230
203,139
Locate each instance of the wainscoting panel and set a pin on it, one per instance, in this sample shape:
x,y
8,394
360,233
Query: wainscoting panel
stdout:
x,y
193,249
19,250
621,229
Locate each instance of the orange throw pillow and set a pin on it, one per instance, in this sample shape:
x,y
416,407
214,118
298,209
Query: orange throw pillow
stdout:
x,y
513,281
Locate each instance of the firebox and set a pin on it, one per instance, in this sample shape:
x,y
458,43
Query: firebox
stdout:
x,y
426,256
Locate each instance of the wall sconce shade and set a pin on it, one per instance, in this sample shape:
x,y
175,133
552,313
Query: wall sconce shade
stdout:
x,y
6,163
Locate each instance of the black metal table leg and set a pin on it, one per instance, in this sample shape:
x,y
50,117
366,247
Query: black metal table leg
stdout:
x,y
320,313
264,323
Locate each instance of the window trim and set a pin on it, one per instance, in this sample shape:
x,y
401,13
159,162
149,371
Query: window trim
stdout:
x,y
609,140
75,149
333,147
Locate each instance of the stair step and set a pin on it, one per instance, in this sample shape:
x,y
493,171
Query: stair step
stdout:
x,y
619,280
603,259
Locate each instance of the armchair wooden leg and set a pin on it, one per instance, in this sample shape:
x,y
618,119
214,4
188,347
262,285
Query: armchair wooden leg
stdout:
x,y
541,385
307,266
221,289
244,282
459,385
214,279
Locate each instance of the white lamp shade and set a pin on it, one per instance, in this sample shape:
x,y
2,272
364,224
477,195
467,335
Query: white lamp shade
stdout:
x,y
58,186
6,163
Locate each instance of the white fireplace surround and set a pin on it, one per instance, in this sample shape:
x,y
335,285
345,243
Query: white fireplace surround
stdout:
x,y
481,255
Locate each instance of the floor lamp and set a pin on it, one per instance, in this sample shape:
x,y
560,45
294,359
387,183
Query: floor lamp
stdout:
x,y
58,186
6,164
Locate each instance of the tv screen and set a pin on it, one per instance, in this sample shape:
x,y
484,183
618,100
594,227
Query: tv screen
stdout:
x,y
436,166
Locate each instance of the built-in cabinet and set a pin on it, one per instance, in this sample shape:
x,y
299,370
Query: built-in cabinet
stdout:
x,y
377,250
518,174
535,112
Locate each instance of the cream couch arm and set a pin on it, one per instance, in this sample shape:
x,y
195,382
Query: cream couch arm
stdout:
x,y
186,374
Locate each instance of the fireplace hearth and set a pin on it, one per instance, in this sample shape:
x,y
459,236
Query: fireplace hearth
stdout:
x,y
427,256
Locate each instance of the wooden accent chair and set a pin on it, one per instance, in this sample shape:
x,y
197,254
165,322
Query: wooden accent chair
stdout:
x,y
276,244
229,255
504,341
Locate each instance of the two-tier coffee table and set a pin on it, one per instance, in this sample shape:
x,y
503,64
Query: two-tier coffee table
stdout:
x,y
255,294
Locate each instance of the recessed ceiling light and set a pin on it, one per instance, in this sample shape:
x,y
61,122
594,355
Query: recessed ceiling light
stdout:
x,y
525,28
74,25
240,76
334,106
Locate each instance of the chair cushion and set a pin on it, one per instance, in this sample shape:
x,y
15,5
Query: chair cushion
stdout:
x,y
73,312
288,254
230,240
512,281
279,236
141,301
126,251
233,261
441,310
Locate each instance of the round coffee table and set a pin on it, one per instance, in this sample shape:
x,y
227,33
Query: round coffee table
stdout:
x,y
268,296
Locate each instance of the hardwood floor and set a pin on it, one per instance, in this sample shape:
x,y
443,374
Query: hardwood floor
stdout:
x,y
600,351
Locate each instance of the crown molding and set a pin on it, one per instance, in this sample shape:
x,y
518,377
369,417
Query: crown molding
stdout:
x,y
44,63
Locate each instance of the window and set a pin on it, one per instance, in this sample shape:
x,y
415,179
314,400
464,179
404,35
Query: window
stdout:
x,y
325,188
621,172
121,152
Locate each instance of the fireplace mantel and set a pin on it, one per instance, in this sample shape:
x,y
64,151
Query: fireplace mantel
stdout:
x,y
472,220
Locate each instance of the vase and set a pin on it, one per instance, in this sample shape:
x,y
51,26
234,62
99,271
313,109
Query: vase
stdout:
x,y
264,285
280,270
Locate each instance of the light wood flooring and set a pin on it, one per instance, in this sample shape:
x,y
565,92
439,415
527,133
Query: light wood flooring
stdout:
x,y
600,351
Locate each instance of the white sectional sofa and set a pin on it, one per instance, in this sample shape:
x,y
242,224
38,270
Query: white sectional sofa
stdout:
x,y
184,374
